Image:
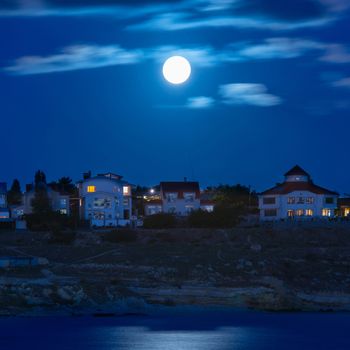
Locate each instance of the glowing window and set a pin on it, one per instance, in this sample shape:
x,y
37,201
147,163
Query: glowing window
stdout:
x,y
309,212
91,189
300,212
126,190
290,213
326,212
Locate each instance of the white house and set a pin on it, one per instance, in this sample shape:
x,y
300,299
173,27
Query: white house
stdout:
x,y
297,197
59,202
177,197
105,200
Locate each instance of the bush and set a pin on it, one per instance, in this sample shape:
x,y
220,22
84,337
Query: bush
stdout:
x,y
120,235
49,221
62,237
158,221
221,217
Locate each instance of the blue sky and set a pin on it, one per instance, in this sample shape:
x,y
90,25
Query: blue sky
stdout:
x,y
81,88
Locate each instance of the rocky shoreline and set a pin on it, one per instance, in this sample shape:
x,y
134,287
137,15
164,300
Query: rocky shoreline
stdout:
x,y
251,268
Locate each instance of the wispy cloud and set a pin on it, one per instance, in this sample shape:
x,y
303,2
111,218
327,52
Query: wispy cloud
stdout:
x,y
184,20
336,53
200,102
344,82
75,58
170,15
248,94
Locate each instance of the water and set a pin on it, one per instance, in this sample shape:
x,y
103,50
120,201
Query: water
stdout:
x,y
193,331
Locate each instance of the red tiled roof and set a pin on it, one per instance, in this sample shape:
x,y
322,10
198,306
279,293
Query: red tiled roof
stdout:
x,y
180,187
288,187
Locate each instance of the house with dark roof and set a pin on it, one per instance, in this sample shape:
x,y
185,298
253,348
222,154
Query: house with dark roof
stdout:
x,y
176,197
297,197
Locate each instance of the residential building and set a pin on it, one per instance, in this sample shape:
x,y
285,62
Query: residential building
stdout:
x,y
344,207
59,201
4,211
297,197
105,200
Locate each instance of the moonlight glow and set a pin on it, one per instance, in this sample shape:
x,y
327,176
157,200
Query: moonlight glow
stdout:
x,y
176,70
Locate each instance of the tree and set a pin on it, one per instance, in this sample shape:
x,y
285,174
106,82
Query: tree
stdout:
x,y
39,178
14,196
41,203
63,185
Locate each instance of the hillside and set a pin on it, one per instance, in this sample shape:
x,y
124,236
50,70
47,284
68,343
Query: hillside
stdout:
x,y
296,268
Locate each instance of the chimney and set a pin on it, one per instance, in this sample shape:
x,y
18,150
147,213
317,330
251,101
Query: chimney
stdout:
x,y
87,175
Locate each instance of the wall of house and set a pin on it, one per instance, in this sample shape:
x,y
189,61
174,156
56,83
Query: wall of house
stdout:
x,y
107,206
58,202
282,206
180,206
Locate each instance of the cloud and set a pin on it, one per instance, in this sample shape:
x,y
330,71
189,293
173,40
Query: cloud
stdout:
x,y
170,15
75,58
248,94
200,102
344,82
279,48
336,53
185,20
93,56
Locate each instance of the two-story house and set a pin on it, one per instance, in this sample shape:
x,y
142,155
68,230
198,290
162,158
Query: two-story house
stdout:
x,y
58,201
105,200
297,197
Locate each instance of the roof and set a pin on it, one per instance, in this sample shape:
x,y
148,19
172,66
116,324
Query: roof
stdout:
x,y
296,170
180,187
345,201
288,187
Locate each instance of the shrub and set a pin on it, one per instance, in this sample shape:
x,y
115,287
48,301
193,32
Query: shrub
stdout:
x,y
221,217
120,235
158,221
62,237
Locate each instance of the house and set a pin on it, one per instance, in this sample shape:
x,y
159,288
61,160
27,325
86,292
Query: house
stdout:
x,y
4,211
105,200
344,207
176,197
297,197
59,201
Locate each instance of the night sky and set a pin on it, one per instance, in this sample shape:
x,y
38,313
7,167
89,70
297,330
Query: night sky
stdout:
x,y
81,88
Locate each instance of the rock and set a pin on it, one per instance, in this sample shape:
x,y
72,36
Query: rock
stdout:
x,y
256,248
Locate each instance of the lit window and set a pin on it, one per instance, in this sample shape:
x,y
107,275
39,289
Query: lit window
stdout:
x,y
309,212
63,211
326,212
290,213
126,190
91,189
346,211
300,212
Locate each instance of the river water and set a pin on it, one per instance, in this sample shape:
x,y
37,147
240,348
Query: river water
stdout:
x,y
213,330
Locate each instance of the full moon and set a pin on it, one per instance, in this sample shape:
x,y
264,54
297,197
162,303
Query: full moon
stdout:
x,y
176,69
